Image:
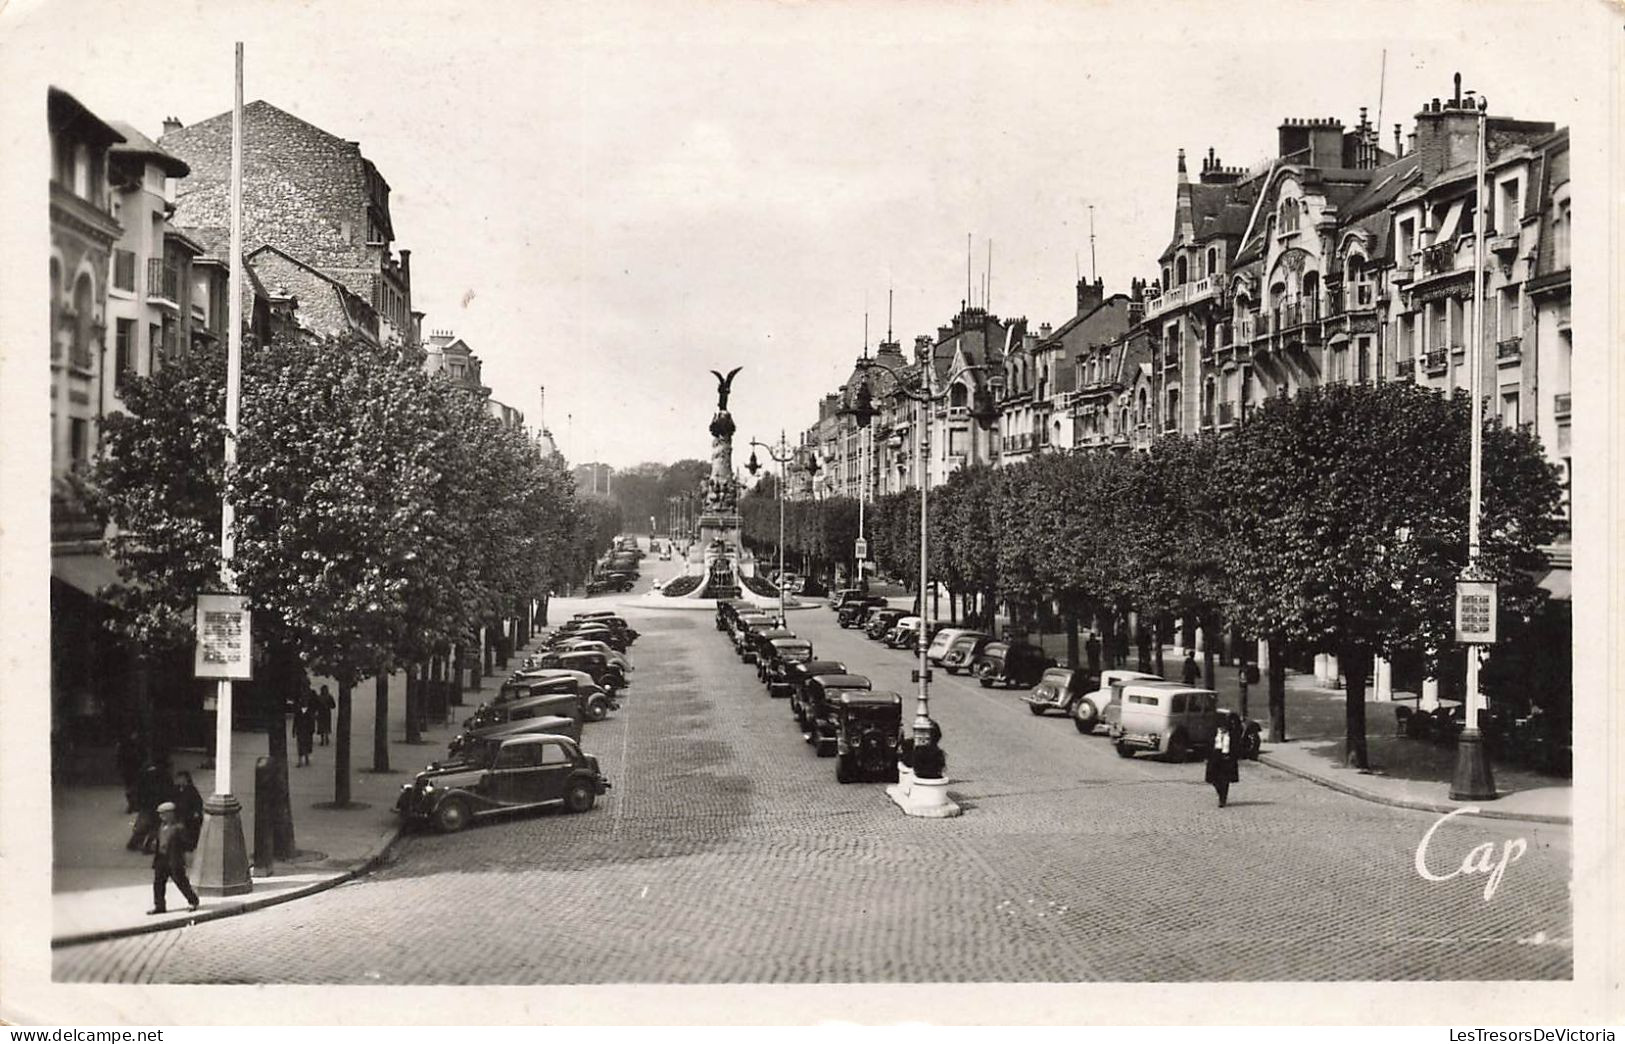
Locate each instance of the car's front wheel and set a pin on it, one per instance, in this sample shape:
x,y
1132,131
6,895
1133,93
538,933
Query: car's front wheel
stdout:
x,y
580,796
451,816
597,708
1037,709
843,769
984,674
1084,716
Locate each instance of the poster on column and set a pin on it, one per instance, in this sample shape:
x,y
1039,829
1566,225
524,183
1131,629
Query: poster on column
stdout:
x,y
224,638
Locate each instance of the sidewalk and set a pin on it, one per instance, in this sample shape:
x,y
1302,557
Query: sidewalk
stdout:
x,y
100,889
1406,773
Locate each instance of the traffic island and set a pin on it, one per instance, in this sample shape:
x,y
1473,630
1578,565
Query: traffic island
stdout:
x,y
923,798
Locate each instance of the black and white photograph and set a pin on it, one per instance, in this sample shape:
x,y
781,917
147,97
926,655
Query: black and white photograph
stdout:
x,y
1075,512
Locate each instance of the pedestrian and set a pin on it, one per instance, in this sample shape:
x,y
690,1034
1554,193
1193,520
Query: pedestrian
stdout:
x,y
1191,672
151,790
129,767
304,727
169,861
188,807
1222,767
1091,649
324,715
1142,641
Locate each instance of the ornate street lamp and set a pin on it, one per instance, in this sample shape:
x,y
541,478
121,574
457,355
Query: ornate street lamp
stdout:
x,y
781,454
984,410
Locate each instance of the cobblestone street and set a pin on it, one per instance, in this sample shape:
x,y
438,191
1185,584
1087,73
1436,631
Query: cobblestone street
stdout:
x,y
727,852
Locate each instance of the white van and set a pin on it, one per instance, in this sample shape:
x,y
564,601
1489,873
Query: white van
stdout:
x,y
1165,718
1101,707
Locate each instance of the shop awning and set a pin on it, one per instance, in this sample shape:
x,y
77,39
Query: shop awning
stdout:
x,y
87,573
1559,584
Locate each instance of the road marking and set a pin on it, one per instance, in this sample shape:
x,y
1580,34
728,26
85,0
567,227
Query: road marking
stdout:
x,y
645,893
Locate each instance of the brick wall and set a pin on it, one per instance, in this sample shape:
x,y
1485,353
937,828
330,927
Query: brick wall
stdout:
x,y
304,189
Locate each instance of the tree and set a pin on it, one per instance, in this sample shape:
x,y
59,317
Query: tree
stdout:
x,y
1348,524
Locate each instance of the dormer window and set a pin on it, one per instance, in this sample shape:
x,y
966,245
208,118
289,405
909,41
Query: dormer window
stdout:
x,y
1180,272
1212,261
1289,216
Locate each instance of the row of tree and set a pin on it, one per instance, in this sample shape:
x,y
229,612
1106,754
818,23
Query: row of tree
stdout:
x,y
383,520
1334,521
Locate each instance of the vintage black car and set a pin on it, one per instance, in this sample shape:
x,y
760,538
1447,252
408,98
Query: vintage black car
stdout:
x,y
564,704
762,643
781,653
1059,688
844,597
727,609
1010,663
820,723
742,622
608,583
608,676
553,724
797,675
868,726
536,771
608,635
602,619
753,627
536,682
881,621
857,613
964,651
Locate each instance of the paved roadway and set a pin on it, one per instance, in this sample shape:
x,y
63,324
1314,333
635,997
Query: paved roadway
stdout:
x,y
726,852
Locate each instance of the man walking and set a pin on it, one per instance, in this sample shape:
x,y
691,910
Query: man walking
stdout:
x,y
325,705
1191,673
169,861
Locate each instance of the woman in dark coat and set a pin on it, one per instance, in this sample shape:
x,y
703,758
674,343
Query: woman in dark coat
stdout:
x,y
1221,756
304,727
324,715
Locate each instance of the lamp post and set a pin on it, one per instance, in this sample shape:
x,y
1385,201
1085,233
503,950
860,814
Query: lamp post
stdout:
x,y
925,398
1473,780
781,453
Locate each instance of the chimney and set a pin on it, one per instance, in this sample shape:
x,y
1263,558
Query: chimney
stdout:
x,y
1044,330
1090,295
172,124
1399,144
406,270
541,404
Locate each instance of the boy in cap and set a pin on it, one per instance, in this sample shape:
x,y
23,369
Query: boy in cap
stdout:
x,y
169,861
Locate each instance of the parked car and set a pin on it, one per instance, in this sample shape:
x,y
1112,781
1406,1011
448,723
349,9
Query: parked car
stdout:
x,y
1103,704
726,609
594,645
881,621
536,771
1010,663
905,633
820,723
940,643
1165,718
1060,688
627,633
845,596
856,614
964,650
551,724
781,653
743,622
544,682
607,585
610,677
598,632
564,704
797,675
761,646
753,628
868,726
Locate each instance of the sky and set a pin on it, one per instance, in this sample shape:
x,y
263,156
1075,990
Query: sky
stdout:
x,y
611,199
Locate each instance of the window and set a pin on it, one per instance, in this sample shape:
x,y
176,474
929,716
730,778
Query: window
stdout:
x,y
1404,240
516,756
1149,701
1212,261
81,171
1469,215
1338,366
155,341
124,352
124,269
1509,206
1561,233
554,754
84,308
1178,706
79,440
56,308
1507,319
1180,271
1289,215
1509,408
1362,360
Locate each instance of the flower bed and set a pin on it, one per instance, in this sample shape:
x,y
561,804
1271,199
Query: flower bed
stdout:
x,y
681,586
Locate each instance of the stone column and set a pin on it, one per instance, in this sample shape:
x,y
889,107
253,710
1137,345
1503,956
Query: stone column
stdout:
x,y
1383,673
1263,654
1430,694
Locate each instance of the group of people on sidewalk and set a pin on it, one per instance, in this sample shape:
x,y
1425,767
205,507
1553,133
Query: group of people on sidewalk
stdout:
x,y
313,720
168,817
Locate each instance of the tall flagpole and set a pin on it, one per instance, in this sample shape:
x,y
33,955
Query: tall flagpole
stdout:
x,y
222,857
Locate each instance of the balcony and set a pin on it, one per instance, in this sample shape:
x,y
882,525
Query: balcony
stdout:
x,y
1503,246
1438,259
1436,362
1179,296
163,281
1405,368
1560,405
1402,274
1508,351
